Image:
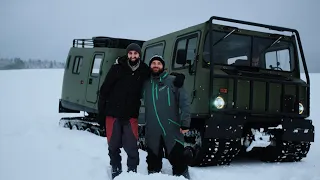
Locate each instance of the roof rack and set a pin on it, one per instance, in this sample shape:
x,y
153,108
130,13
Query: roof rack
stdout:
x,y
103,41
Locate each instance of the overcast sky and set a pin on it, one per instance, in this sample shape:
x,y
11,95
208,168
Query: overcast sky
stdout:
x,y
45,29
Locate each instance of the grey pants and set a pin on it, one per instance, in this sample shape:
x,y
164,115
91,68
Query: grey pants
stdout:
x,y
122,133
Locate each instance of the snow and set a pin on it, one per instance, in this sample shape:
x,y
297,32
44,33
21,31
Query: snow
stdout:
x,y
33,146
261,139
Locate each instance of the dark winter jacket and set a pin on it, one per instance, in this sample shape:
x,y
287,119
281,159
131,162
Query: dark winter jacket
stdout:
x,y
121,90
162,102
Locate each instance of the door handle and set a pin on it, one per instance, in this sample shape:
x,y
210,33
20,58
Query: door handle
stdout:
x,y
90,81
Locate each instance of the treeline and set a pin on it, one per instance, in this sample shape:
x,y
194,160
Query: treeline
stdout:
x,y
17,63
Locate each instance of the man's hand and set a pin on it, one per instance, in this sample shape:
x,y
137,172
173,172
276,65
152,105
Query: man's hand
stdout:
x,y
184,131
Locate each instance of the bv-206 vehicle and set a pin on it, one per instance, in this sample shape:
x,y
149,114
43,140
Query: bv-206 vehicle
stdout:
x,y
245,89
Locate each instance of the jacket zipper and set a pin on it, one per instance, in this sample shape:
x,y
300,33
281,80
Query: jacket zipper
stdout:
x,y
155,110
168,96
156,90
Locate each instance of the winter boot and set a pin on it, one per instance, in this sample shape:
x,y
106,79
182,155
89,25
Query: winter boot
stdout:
x,y
116,171
186,174
188,154
131,169
152,172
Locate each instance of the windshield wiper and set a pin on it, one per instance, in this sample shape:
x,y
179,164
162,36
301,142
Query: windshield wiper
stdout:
x,y
273,43
224,37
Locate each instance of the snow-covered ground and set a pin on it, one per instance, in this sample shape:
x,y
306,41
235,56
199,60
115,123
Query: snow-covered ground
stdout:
x,y
34,147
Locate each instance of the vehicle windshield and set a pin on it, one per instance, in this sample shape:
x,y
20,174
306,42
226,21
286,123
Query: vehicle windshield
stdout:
x,y
235,50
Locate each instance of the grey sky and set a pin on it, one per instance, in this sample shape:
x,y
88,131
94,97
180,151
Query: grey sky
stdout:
x,y
44,29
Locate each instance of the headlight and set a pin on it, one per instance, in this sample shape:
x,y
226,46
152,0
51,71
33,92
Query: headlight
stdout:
x,y
301,108
219,102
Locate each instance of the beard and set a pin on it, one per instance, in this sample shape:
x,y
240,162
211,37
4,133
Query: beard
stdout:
x,y
156,71
131,62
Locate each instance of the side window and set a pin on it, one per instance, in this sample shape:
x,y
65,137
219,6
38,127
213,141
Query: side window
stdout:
x,y
278,60
189,44
153,50
96,64
77,63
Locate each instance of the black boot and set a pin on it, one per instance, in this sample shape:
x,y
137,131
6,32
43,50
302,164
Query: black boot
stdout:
x,y
152,172
131,169
186,174
116,171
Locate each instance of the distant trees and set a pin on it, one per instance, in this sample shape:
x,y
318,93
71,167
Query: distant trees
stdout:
x,y
17,63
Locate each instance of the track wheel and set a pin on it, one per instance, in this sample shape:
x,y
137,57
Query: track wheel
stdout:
x,y
74,127
88,129
66,125
96,132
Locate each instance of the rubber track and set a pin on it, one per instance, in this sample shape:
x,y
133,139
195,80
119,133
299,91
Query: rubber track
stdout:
x,y
286,152
88,122
215,152
80,119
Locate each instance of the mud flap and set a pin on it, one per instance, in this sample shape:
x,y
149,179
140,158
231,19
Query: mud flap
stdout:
x,y
298,130
224,126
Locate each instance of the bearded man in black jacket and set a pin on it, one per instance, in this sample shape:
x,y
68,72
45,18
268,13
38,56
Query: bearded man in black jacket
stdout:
x,y
119,104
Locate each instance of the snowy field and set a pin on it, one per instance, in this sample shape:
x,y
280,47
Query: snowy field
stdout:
x,y
34,147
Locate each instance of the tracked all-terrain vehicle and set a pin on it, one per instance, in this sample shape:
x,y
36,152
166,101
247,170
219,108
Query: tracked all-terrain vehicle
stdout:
x,y
245,89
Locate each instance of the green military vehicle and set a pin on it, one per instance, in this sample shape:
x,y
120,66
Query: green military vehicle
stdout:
x,y
245,89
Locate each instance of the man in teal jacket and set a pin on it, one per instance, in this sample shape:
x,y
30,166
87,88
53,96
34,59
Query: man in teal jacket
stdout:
x,y
164,125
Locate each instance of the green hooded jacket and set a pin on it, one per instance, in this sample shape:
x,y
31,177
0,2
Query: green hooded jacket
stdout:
x,y
162,101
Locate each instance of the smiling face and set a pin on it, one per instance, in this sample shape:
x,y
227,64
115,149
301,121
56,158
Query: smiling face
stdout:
x,y
133,55
156,66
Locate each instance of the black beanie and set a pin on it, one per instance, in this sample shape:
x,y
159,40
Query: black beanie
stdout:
x,y
159,58
134,47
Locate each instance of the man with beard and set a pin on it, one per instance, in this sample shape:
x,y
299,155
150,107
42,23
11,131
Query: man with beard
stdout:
x,y
164,125
119,104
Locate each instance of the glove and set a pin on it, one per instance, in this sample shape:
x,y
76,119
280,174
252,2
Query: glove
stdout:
x,y
179,80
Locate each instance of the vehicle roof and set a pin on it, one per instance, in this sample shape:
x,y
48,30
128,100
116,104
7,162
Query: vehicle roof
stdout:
x,y
218,27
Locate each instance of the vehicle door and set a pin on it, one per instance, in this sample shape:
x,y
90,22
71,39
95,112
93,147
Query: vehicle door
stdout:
x,y
94,77
189,43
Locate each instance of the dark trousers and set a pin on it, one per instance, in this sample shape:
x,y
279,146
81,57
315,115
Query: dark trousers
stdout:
x,y
176,159
124,134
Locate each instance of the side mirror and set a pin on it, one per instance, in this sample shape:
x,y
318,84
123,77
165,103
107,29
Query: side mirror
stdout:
x,y
181,57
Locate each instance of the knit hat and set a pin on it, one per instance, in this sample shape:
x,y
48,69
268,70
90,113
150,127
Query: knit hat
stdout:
x,y
134,47
157,57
